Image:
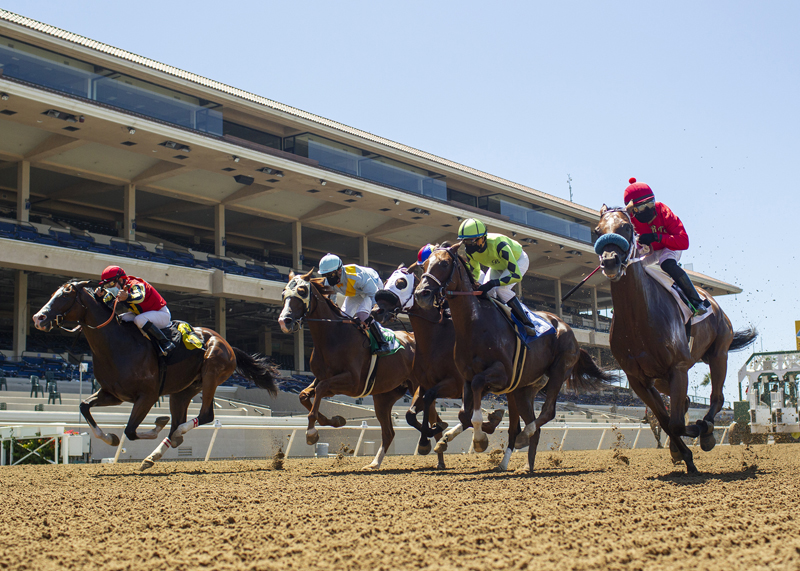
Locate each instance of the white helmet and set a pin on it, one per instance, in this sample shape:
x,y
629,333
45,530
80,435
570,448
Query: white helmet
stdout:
x,y
329,263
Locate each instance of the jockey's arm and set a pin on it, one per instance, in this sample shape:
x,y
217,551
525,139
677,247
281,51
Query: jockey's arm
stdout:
x,y
505,253
136,293
674,236
474,268
366,286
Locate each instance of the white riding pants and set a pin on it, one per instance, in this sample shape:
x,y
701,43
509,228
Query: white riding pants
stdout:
x,y
658,256
358,306
160,318
505,292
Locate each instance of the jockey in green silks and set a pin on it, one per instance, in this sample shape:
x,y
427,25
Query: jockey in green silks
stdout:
x,y
505,259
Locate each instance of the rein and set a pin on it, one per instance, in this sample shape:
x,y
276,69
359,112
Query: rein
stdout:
x,y
60,317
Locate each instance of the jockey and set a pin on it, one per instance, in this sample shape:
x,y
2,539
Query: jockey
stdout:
x,y
663,232
148,310
358,285
505,258
424,253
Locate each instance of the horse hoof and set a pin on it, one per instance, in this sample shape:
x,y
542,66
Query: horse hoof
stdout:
x,y
161,422
146,464
338,421
693,431
176,441
496,416
370,467
312,437
521,441
113,440
707,442
424,449
440,447
442,425
480,445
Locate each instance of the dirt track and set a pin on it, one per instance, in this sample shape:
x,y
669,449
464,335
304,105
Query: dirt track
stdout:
x,y
583,510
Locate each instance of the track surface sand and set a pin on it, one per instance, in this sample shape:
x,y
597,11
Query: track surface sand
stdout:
x,y
581,510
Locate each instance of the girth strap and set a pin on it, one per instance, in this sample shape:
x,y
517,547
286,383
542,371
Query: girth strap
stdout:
x,y
369,385
520,355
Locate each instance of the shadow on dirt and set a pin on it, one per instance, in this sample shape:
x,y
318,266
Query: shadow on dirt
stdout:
x,y
684,479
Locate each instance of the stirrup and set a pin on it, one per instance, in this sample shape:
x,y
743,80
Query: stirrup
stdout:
x,y
383,349
701,308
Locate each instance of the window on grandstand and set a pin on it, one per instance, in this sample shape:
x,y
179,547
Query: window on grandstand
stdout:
x,y
252,135
64,74
537,217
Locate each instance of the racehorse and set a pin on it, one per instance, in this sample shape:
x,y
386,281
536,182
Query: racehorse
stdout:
x,y
127,369
651,343
485,353
434,366
341,359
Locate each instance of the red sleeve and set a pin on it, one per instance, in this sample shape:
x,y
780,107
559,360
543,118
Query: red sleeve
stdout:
x,y
673,235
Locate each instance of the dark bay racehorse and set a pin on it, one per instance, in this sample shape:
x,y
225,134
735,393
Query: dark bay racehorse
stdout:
x,y
126,367
434,365
341,358
649,339
485,348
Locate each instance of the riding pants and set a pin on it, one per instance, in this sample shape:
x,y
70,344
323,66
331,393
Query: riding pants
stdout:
x,y
658,256
358,306
504,292
160,318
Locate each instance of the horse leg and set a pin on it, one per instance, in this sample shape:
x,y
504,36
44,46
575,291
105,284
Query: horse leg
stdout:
x,y
718,363
513,431
678,387
100,398
494,373
320,391
383,412
441,425
307,400
464,420
423,447
178,405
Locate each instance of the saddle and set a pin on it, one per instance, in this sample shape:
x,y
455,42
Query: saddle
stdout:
x,y
184,338
664,280
541,326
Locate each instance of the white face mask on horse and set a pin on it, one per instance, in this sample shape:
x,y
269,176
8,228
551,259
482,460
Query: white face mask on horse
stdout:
x,y
401,283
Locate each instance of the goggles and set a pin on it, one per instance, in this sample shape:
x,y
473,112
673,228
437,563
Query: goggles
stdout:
x,y
642,206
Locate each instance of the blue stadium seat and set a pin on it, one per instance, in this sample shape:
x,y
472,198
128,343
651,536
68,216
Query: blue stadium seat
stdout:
x,y
8,229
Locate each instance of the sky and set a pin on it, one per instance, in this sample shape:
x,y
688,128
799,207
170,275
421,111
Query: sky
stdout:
x,y
697,99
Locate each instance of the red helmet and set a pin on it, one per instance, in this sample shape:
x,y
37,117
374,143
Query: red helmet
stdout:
x,y
637,192
112,274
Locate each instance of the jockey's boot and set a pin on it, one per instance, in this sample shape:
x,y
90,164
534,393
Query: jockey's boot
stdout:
x,y
519,312
699,305
383,344
164,344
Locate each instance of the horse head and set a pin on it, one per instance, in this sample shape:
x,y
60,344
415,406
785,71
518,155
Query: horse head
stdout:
x,y
440,271
616,241
296,298
397,294
62,306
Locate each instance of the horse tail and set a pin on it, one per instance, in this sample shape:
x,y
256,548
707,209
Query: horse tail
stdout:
x,y
743,338
257,368
588,375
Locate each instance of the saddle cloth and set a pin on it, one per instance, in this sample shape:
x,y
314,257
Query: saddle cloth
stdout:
x,y
185,339
668,283
391,338
540,327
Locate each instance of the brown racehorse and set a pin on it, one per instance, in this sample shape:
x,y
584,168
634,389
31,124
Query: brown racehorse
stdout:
x,y
434,366
126,367
341,359
650,342
485,347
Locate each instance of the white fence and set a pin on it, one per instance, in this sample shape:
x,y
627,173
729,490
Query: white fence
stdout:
x,y
579,431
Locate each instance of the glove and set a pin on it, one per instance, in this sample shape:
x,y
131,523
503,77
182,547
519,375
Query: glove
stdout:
x,y
491,284
647,239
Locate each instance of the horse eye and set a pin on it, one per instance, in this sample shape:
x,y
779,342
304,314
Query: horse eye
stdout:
x,y
401,283
303,291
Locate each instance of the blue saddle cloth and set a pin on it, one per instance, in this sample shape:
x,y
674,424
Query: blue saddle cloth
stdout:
x,y
541,327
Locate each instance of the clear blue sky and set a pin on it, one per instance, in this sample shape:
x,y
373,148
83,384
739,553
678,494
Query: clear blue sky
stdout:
x,y
698,99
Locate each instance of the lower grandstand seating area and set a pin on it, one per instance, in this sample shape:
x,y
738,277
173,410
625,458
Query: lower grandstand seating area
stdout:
x,y
77,239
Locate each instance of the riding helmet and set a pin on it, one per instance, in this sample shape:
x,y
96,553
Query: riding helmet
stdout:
x,y
637,192
471,228
329,263
111,274
424,253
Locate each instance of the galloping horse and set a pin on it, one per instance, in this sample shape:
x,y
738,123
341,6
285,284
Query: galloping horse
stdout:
x,y
485,353
650,341
434,365
126,367
341,359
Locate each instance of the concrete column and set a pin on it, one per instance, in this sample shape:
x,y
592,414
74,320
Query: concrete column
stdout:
x,y
297,247
219,230
23,190
363,251
299,351
21,313
595,315
219,314
559,312
128,230
265,340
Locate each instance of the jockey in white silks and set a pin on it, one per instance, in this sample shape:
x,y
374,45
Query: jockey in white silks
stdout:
x,y
358,286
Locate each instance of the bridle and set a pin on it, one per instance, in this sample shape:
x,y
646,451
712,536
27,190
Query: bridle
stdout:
x,y
441,293
627,245
290,290
59,319
405,307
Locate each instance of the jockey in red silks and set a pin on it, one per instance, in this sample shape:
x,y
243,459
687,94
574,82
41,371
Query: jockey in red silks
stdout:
x,y
148,310
663,232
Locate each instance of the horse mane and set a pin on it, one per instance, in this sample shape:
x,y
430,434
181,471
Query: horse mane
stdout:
x,y
472,280
322,289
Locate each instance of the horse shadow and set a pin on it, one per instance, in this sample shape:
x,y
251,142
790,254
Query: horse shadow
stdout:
x,y
681,478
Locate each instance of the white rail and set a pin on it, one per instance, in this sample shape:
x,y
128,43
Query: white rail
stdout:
x,y
217,426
